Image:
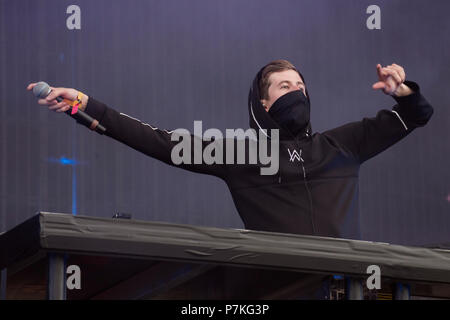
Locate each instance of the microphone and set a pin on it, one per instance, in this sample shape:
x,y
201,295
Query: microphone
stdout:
x,y
42,90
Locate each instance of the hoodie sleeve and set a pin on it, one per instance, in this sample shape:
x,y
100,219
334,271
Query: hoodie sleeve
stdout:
x,y
147,139
367,138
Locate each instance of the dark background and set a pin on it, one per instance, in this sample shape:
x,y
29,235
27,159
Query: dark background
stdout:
x,y
171,62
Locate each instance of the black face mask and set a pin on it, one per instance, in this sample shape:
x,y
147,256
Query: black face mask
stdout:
x,y
291,111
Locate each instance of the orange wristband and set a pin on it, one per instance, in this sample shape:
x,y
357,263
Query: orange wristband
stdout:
x,y
77,102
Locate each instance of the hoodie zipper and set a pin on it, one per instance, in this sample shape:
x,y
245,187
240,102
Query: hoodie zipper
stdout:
x,y
304,171
306,184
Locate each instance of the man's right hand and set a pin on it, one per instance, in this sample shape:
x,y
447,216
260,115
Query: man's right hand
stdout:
x,y
65,93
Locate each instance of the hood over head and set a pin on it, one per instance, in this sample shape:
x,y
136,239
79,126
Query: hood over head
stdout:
x,y
261,119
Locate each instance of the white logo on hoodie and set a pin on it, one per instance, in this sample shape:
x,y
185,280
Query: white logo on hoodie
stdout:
x,y
295,155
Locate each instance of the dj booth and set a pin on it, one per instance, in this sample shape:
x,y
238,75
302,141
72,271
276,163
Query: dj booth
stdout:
x,y
43,257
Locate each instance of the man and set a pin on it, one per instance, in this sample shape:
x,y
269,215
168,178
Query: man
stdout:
x,y
315,191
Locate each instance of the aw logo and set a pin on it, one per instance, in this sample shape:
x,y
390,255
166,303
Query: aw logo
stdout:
x,y
295,155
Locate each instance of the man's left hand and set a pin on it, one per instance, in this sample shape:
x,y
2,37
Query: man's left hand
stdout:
x,y
391,80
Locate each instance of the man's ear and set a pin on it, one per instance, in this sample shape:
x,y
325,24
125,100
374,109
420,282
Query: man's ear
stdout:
x,y
264,104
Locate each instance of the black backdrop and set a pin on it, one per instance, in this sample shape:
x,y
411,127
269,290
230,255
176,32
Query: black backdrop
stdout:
x,y
171,62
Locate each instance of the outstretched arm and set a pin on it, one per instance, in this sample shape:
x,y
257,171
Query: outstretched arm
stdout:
x,y
154,142
366,138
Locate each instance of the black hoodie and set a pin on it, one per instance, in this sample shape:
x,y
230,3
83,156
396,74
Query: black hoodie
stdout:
x,y
315,191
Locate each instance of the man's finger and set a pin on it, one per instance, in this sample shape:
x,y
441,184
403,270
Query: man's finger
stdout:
x,y
396,69
380,76
31,86
57,106
379,85
400,70
56,92
63,109
44,102
394,73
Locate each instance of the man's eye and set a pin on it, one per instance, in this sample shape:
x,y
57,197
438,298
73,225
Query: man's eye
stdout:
x,y
284,87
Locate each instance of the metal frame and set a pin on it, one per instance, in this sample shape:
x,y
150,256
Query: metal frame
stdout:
x,y
56,281
3,283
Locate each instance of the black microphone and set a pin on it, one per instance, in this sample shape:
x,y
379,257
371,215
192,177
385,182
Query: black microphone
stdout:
x,y
42,90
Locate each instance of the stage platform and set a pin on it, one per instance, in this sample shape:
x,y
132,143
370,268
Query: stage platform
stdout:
x,y
131,259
